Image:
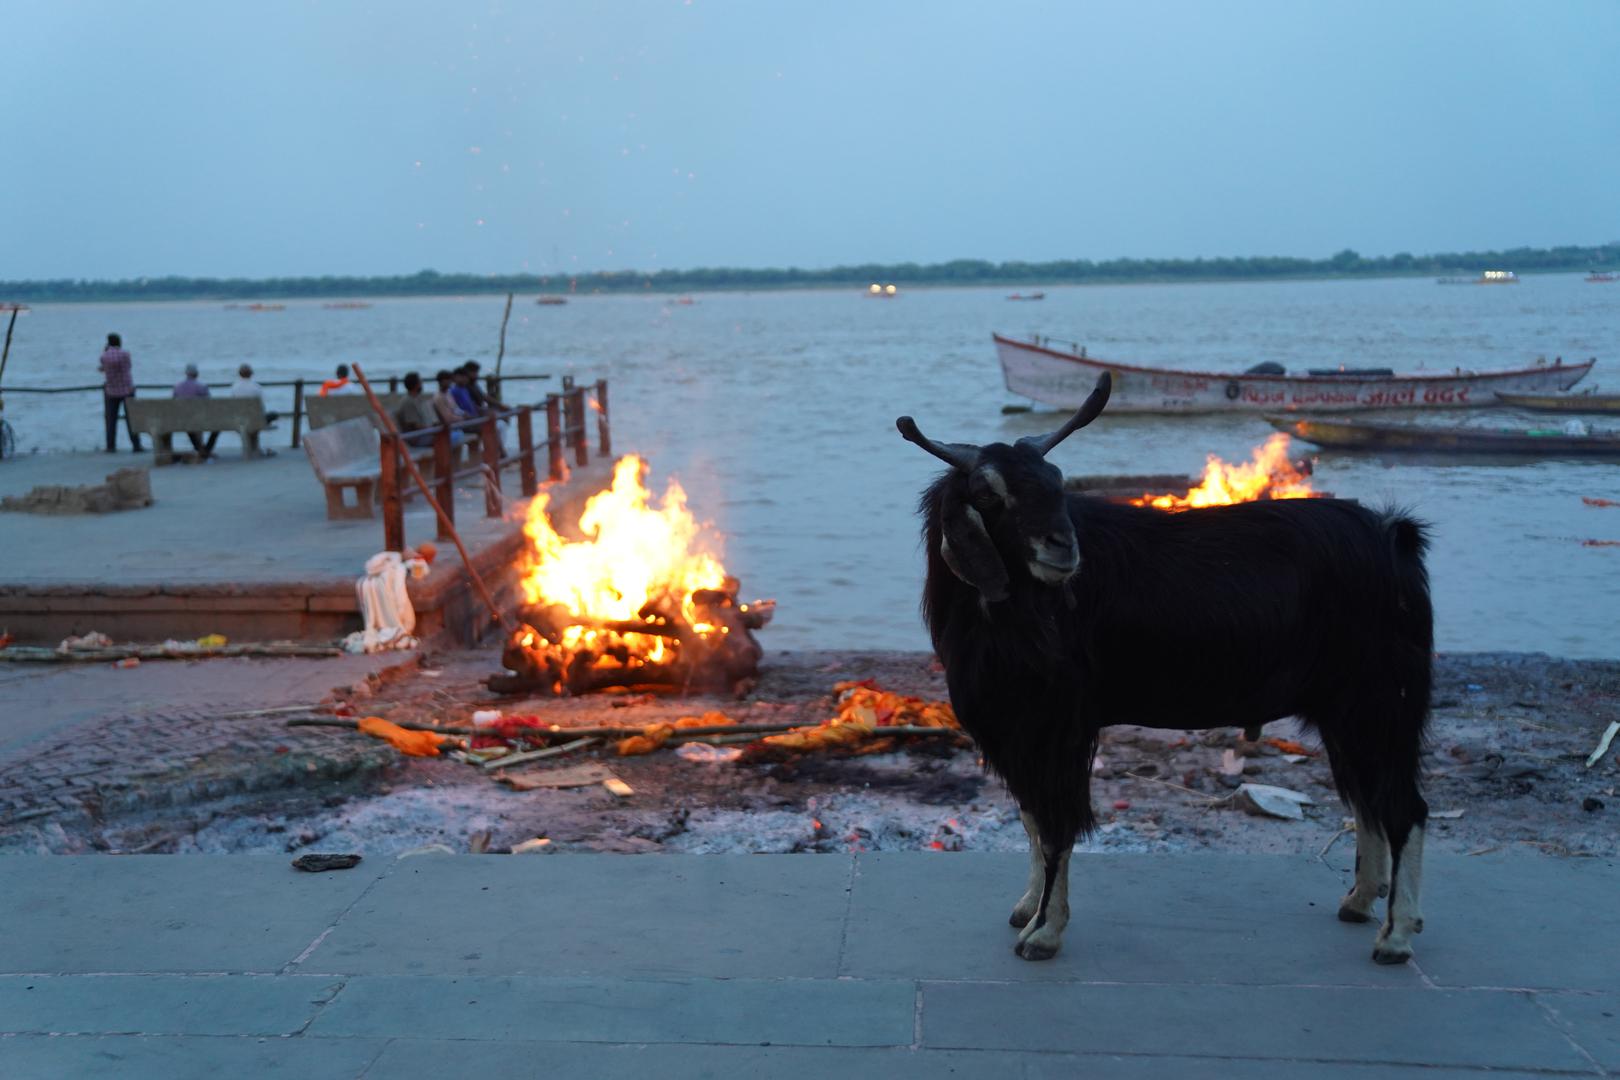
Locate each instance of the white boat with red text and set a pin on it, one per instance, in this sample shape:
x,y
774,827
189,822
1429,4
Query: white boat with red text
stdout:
x,y
1062,375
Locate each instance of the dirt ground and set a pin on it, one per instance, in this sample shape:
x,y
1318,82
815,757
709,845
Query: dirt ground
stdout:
x,y
1505,768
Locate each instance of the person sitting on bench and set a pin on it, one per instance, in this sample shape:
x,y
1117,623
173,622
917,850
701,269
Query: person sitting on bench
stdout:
x,y
192,387
245,387
417,412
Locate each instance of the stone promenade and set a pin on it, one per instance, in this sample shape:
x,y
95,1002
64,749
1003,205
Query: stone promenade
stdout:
x,y
891,966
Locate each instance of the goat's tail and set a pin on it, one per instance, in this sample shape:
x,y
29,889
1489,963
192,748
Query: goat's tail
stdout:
x,y
1413,613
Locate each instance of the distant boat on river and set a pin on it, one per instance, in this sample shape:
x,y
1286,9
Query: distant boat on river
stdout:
x,y
1028,296
1563,403
551,301
1064,377
1600,277
1489,277
1435,439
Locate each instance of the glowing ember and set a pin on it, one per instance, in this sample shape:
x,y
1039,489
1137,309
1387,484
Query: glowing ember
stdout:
x,y
642,598
1270,475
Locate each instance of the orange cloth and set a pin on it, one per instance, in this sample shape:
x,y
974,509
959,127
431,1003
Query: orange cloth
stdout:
x,y
332,384
406,741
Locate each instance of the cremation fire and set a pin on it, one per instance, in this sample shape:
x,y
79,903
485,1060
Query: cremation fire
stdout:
x,y
642,599
1270,475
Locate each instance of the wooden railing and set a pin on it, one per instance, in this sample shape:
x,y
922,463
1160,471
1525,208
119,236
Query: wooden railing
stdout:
x,y
567,435
296,414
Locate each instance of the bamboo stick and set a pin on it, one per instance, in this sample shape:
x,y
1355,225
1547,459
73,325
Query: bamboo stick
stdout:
x,y
427,493
501,355
680,734
536,755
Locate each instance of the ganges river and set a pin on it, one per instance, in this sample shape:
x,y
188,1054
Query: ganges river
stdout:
x,y
776,412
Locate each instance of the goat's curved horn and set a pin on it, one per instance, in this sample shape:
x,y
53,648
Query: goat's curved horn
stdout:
x,y
1084,415
960,455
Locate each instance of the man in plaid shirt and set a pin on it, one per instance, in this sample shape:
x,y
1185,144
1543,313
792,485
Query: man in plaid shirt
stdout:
x,y
118,389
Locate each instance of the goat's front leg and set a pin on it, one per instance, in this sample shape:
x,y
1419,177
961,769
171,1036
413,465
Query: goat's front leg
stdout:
x,y
1030,902
1043,936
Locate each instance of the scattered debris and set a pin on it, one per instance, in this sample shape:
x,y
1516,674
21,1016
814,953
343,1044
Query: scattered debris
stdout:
x,y
618,787
707,753
1591,804
569,776
409,742
1603,744
1271,801
1448,815
315,863
529,847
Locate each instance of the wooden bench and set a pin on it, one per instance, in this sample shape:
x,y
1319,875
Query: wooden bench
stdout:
x,y
336,408
348,454
164,418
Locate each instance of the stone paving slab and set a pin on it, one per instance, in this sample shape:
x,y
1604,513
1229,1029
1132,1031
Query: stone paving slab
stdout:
x,y
687,966
1418,1027
155,913
516,1008
723,916
157,1057
162,1004
1136,918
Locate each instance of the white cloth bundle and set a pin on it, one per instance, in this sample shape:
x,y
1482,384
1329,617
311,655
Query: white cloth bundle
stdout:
x,y
385,605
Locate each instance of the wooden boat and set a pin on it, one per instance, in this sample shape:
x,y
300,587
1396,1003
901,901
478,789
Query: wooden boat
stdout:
x,y
552,301
1563,403
1063,377
1600,277
1028,296
1434,439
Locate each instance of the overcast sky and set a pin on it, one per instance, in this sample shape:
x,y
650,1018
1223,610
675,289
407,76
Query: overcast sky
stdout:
x,y
297,137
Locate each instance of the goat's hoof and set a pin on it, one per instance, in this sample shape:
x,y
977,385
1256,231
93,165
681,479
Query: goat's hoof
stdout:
x,y
1033,950
1391,954
1019,918
1350,914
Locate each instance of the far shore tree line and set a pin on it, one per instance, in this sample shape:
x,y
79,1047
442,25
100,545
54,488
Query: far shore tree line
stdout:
x,y
958,272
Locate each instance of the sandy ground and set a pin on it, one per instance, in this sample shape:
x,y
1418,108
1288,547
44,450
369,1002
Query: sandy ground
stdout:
x,y
1505,769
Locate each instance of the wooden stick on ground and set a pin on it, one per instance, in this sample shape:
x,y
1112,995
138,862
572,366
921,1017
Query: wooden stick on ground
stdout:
x,y
427,493
536,755
40,654
680,734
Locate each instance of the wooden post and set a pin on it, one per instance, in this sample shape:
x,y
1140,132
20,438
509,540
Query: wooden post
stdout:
x,y
298,412
393,503
574,414
604,440
444,465
6,352
527,481
501,355
554,440
491,438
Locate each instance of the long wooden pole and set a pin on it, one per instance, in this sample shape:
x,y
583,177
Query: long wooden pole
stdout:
x,y
427,493
615,732
6,352
501,355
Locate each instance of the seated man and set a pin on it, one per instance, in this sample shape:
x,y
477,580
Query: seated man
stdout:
x,y
418,412
461,392
481,397
340,384
192,387
245,387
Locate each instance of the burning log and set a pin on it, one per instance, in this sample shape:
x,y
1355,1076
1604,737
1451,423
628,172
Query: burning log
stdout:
x,y
640,602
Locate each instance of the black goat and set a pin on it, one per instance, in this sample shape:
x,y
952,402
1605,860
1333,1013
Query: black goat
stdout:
x,y
1058,615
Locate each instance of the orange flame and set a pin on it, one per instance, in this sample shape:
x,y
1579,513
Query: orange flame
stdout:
x,y
633,553
1270,475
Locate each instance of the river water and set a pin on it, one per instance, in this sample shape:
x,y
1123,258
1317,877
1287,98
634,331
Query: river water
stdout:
x,y
776,411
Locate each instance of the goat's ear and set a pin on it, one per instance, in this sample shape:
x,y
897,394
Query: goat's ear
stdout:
x,y
967,549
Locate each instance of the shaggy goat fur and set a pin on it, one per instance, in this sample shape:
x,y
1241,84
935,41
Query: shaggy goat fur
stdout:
x,y
1223,617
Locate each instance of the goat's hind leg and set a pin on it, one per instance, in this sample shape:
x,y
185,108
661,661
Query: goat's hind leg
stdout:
x,y
1030,902
1043,935
1404,915
1372,873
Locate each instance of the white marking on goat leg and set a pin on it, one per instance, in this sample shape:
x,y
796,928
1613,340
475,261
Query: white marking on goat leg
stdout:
x,y
1030,902
1405,912
1372,874
1042,938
